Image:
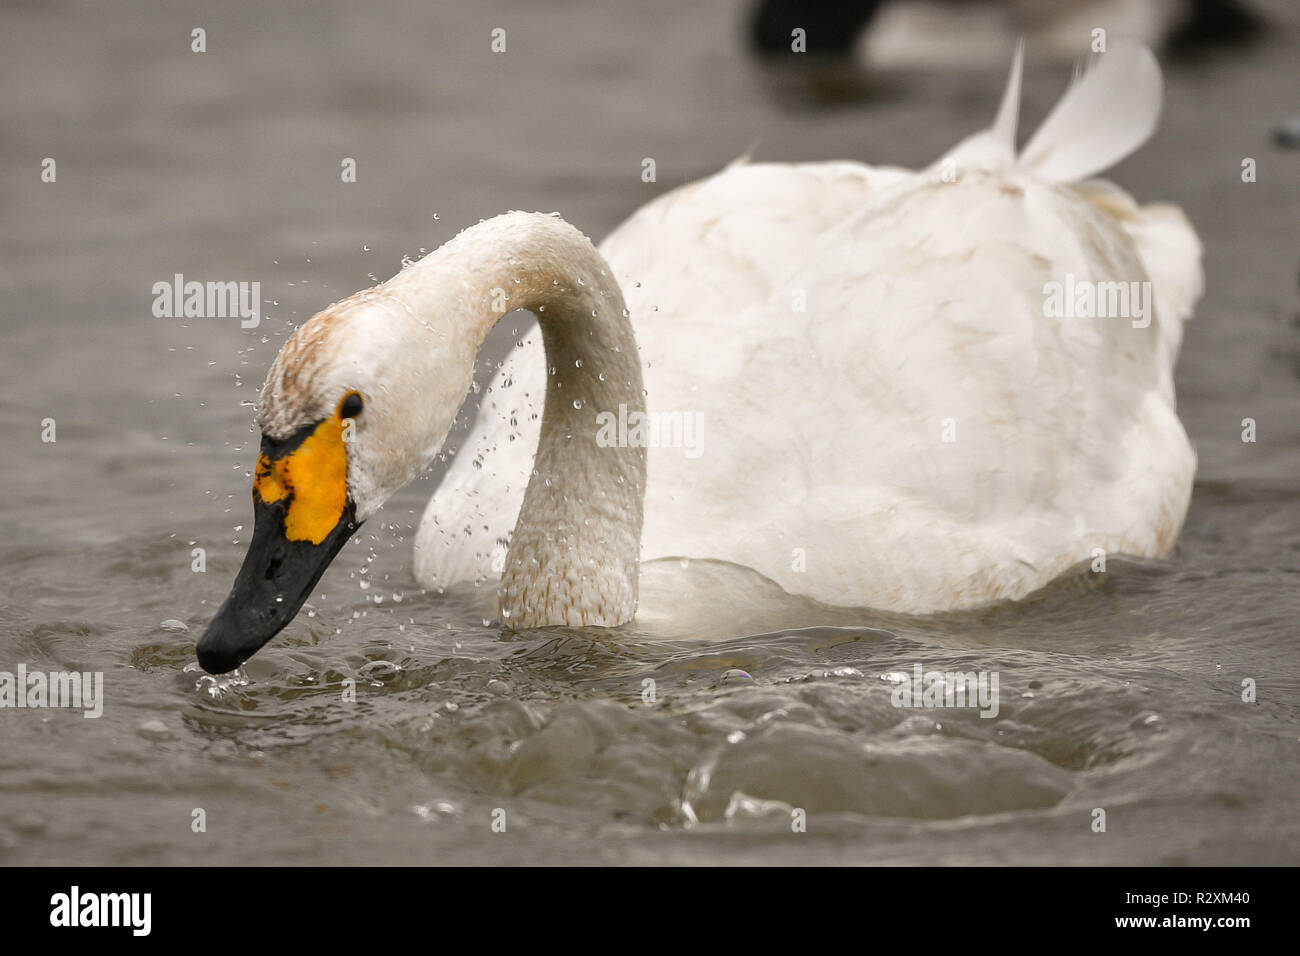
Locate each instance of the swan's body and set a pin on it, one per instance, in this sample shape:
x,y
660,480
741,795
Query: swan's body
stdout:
x,y
879,411
823,463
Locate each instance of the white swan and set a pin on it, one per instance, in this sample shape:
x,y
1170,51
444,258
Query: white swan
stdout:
x,y
892,414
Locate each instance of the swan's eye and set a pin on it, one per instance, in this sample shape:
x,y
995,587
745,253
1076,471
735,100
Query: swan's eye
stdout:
x,y
351,405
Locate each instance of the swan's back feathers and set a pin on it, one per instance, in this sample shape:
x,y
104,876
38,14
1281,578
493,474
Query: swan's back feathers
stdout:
x,y
1008,118
1106,114
995,147
1170,253
1108,111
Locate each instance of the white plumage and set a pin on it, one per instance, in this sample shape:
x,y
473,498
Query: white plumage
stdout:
x,y
832,324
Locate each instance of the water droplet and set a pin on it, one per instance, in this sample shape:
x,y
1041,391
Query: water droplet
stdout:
x,y
735,676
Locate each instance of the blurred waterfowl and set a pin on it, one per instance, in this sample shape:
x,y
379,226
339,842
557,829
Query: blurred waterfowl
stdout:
x,y
824,52
858,387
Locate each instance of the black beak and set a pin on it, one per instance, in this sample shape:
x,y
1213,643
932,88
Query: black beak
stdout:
x,y
277,577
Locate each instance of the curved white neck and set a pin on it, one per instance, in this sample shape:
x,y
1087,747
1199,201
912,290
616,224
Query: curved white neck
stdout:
x,y
573,558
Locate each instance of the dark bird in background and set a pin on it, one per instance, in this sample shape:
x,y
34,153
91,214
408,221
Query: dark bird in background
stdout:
x,y
823,68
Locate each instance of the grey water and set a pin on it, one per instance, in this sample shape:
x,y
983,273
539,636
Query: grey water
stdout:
x,y
1162,693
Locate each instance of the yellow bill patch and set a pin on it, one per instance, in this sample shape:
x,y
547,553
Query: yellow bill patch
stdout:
x,y
314,477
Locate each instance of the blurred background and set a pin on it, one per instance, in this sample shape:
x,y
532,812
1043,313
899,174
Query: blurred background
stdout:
x,y
225,165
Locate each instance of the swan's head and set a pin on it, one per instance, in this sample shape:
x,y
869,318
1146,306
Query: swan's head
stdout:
x,y
355,405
